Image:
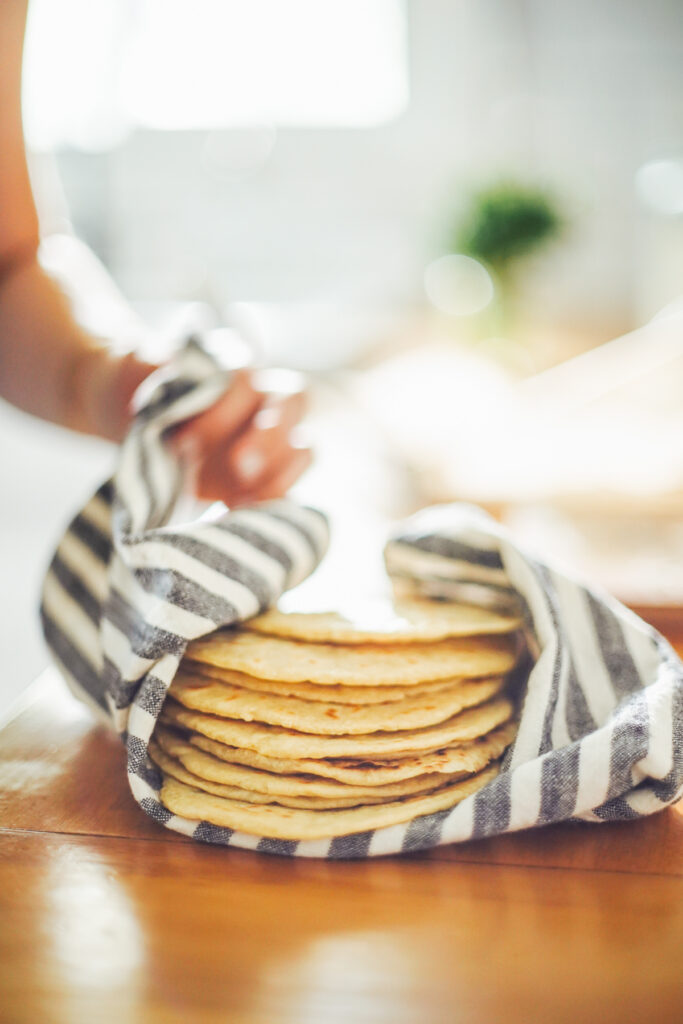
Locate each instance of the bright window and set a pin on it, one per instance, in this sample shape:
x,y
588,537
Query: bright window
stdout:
x,y
95,68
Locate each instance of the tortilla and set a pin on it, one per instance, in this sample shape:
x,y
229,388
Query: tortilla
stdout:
x,y
314,691
272,821
462,758
328,719
277,741
385,622
269,657
217,769
171,766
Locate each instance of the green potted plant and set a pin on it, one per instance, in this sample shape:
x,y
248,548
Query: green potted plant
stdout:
x,y
503,224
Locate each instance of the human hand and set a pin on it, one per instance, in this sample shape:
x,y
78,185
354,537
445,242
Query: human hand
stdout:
x,y
242,450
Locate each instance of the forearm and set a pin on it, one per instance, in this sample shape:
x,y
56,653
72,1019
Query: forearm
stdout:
x,y
53,368
49,365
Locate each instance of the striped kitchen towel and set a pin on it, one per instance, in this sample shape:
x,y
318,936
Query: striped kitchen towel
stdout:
x,y
126,592
601,724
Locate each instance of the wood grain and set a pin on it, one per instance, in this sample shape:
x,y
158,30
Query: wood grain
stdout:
x,y
112,929
62,772
106,917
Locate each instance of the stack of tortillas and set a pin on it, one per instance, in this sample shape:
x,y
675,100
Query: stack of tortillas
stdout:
x,y
315,725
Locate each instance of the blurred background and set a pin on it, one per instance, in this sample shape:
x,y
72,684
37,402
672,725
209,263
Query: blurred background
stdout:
x,y
464,218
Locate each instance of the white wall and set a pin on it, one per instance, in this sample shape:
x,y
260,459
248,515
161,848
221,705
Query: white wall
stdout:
x,y
578,95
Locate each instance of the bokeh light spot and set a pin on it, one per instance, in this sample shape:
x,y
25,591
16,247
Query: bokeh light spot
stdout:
x,y
660,185
458,285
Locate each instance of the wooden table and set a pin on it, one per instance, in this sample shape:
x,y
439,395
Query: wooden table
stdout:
x,y
105,916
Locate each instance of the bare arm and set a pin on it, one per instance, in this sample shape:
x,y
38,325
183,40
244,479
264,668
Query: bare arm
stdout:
x,y
49,365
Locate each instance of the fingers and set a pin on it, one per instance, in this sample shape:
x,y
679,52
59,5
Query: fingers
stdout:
x,y
285,476
241,448
214,483
223,420
285,409
264,444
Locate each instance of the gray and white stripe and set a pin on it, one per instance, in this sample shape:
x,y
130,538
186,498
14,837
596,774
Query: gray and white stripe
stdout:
x,y
601,720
